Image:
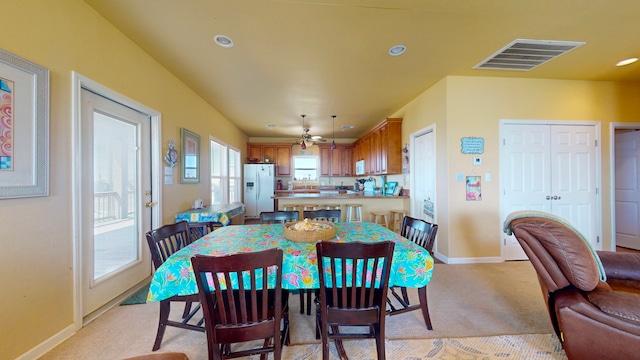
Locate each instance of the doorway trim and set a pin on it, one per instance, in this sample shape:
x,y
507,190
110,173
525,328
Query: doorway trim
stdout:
x,y
80,82
612,174
412,158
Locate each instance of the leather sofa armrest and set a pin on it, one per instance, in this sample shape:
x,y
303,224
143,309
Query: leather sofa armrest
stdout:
x,y
620,266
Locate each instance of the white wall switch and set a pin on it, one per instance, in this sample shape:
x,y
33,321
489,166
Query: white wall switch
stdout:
x,y
459,177
487,177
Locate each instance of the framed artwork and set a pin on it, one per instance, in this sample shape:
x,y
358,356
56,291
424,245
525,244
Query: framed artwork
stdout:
x,y
391,187
474,190
190,157
24,128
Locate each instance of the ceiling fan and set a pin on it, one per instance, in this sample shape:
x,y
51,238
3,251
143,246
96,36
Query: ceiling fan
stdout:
x,y
307,139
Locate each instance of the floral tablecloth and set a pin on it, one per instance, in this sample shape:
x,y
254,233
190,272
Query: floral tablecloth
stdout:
x,y
412,266
217,213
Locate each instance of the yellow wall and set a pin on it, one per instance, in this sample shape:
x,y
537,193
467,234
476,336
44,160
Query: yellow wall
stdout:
x,y
474,108
36,236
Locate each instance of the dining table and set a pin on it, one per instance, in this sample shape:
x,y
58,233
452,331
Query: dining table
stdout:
x,y
411,266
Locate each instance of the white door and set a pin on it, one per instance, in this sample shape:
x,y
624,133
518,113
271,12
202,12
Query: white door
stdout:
x,y
627,196
550,168
115,186
423,187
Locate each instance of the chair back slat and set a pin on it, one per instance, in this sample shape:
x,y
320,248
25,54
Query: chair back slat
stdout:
x,y
166,240
273,217
323,214
353,289
361,268
237,302
200,229
420,232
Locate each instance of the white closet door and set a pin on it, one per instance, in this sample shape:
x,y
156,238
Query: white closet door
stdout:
x,y
527,182
573,178
549,168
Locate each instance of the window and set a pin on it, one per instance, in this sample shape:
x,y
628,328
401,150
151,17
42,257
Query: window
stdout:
x,y
305,168
225,173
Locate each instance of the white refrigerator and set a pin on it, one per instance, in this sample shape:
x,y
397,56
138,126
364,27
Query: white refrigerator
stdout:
x,y
259,186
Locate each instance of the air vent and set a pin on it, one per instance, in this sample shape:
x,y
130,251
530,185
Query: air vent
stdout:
x,y
524,55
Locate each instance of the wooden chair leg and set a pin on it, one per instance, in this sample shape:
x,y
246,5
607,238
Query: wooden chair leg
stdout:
x,y
380,341
187,309
405,296
302,301
165,308
422,295
308,292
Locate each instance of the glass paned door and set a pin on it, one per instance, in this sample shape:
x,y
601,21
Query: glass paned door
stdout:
x,y
115,199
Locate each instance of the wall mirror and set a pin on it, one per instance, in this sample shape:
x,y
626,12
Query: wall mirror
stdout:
x,y
190,173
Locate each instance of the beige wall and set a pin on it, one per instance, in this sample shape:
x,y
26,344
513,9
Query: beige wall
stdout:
x,y
473,107
36,237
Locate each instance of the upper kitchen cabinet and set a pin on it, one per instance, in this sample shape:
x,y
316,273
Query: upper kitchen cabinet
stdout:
x,y
381,148
336,162
279,154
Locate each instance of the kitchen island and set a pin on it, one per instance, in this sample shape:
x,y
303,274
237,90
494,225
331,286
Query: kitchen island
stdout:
x,y
370,201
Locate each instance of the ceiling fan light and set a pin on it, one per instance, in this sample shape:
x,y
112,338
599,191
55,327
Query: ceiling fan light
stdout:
x,y
303,145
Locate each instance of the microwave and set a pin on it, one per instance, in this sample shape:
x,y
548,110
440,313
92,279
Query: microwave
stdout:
x,y
360,167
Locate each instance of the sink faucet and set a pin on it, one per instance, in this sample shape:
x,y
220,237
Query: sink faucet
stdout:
x,y
304,181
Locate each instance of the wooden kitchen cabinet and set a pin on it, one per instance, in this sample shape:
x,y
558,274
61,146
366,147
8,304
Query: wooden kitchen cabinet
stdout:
x,y
336,162
381,148
279,154
283,160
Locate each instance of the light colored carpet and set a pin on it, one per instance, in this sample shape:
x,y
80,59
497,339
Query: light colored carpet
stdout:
x,y
468,304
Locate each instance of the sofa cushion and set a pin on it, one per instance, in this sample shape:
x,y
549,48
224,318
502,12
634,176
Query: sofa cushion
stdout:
x,y
620,304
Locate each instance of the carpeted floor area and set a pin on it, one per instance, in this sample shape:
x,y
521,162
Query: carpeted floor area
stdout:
x,y
479,311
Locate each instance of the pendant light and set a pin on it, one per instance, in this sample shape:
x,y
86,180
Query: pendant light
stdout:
x,y
333,129
303,145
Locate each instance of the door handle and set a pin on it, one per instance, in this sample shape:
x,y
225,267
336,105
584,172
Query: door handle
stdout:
x,y
150,204
556,197
548,197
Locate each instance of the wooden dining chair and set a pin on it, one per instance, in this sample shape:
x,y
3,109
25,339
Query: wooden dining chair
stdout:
x,y
422,233
248,312
332,215
163,242
200,229
349,296
274,217
323,214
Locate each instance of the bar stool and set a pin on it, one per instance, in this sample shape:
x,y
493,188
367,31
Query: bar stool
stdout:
x,y
353,210
396,220
380,215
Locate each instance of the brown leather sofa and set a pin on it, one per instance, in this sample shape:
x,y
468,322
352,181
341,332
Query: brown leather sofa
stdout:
x,y
595,316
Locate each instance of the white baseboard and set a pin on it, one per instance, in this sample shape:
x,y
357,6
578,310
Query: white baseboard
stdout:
x,y
471,260
49,344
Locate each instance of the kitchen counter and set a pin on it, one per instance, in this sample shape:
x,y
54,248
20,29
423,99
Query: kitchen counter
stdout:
x,y
370,201
330,195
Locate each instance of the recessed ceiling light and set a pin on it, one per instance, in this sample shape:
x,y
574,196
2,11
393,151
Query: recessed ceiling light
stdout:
x,y
223,41
627,62
348,126
270,126
397,50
